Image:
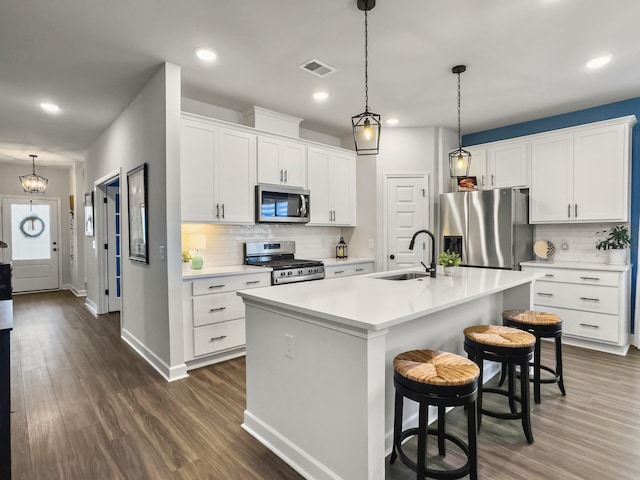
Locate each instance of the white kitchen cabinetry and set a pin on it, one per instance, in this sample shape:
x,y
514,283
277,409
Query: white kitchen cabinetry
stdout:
x,y
217,172
500,164
214,316
592,302
281,162
338,269
581,174
332,186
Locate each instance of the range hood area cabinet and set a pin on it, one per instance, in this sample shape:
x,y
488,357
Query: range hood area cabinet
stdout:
x,y
281,161
500,164
332,186
217,172
582,174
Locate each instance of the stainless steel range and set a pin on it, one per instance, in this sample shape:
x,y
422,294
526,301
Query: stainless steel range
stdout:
x,y
280,256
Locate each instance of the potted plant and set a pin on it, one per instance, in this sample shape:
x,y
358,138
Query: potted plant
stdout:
x,y
616,244
449,260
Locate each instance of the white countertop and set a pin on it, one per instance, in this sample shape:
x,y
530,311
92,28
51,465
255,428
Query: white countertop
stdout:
x,y
370,303
329,262
229,270
578,266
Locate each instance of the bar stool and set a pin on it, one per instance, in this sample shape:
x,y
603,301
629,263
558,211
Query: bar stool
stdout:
x,y
541,325
443,380
510,347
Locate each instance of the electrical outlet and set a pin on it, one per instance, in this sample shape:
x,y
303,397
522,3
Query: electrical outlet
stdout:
x,y
564,245
289,350
163,253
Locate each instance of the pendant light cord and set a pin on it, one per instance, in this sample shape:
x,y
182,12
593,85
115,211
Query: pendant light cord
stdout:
x,y
459,135
366,61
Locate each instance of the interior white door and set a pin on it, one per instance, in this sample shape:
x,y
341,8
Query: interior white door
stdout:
x,y
113,248
406,214
30,228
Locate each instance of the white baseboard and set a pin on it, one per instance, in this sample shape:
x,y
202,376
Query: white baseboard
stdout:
x,y
74,290
91,306
169,373
303,463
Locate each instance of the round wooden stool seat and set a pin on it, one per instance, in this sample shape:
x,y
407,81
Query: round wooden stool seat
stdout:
x,y
435,368
531,317
541,325
499,336
511,347
435,379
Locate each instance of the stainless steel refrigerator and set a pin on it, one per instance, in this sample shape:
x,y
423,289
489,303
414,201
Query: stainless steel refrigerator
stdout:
x,y
488,228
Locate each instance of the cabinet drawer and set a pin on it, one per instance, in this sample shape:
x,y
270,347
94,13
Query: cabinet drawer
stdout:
x,y
336,271
589,325
216,308
218,337
205,286
582,277
578,297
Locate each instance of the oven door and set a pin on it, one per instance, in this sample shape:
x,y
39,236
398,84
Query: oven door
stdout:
x,y
275,203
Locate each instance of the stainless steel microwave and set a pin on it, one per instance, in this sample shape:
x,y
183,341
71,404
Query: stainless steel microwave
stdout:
x,y
280,204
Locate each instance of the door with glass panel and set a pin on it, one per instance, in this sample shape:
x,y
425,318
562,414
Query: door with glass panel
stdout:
x,y
30,228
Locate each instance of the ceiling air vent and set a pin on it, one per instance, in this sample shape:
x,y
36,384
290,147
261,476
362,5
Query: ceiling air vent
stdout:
x,y
317,68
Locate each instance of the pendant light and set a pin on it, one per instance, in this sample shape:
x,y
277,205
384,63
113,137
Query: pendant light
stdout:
x,y
366,126
33,183
459,159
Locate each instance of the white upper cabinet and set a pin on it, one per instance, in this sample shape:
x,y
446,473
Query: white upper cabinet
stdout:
x,y
500,164
332,186
281,162
217,172
581,174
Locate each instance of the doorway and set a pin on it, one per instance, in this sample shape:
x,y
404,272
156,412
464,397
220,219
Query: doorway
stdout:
x,y
30,229
114,246
406,212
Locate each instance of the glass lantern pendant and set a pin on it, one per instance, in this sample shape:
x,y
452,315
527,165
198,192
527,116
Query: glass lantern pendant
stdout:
x,y
33,183
459,159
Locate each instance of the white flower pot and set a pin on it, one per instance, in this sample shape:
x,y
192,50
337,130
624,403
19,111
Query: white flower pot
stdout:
x,y
448,271
617,256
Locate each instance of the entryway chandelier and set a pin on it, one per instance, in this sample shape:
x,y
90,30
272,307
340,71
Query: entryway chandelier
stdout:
x,y
33,183
366,126
459,159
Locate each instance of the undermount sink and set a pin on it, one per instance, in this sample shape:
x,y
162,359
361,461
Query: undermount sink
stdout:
x,y
405,276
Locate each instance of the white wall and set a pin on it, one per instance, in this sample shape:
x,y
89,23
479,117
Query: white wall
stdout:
x,y
58,188
147,131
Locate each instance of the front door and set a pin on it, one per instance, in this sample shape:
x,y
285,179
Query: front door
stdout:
x,y
406,214
30,228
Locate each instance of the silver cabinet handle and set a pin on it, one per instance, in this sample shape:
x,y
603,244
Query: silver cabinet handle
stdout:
x,y
281,176
216,286
253,282
545,294
575,209
285,176
214,339
219,309
588,325
492,180
217,210
223,210
587,299
590,278
330,215
338,272
483,178
549,275
359,269
568,210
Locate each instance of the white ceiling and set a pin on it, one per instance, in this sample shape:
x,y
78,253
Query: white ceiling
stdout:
x,y
525,60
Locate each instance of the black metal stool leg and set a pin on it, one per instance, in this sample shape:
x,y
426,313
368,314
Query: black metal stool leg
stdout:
x,y
524,395
472,432
536,370
441,430
559,364
423,423
397,426
511,379
503,374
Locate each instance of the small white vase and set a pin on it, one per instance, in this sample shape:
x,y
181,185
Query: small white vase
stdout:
x,y
617,256
448,271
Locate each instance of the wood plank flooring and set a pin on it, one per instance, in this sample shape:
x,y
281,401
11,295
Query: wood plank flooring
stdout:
x,y
86,407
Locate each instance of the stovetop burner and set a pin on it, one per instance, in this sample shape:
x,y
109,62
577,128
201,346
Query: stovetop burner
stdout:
x,y
280,257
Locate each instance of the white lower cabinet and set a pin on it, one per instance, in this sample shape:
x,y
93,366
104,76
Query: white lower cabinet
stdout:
x,y
347,269
593,303
213,314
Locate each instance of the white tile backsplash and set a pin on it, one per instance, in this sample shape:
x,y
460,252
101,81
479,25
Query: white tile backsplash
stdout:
x,y
225,242
581,239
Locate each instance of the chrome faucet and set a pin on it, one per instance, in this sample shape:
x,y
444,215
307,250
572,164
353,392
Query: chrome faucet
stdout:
x,y
432,267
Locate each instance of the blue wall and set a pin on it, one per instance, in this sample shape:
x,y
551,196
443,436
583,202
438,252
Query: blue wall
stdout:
x,y
595,114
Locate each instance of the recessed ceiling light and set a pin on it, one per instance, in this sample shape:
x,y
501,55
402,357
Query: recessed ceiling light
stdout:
x,y
50,107
206,54
320,95
599,61
392,121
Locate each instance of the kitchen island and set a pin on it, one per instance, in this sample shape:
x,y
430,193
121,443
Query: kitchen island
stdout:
x,y
319,358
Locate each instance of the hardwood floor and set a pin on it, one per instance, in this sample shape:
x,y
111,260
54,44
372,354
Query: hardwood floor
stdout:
x,y
87,407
